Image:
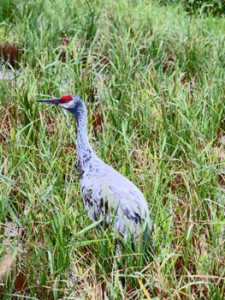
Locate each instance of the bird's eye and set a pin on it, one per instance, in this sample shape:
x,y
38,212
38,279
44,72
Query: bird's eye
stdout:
x,y
66,98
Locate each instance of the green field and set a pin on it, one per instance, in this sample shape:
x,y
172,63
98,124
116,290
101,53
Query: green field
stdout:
x,y
153,78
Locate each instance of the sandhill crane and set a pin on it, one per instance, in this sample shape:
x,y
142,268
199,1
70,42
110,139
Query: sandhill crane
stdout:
x,y
107,195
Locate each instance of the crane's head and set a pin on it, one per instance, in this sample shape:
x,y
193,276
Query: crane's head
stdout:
x,y
70,102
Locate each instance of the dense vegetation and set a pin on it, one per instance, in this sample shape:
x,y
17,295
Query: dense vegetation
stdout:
x,y
199,7
152,76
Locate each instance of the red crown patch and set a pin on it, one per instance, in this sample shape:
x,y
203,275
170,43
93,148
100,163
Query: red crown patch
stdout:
x,y
66,98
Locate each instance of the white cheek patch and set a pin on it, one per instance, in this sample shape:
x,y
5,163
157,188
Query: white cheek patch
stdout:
x,y
67,105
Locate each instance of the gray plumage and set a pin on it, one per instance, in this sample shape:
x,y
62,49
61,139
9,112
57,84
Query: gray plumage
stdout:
x,y
107,195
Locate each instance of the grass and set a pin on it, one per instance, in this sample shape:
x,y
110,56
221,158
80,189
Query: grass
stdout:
x,y
153,79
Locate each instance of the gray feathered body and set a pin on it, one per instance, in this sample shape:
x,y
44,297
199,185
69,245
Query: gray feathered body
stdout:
x,y
111,197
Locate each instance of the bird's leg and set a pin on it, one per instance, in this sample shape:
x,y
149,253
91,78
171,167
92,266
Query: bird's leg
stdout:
x,y
118,251
118,248
117,263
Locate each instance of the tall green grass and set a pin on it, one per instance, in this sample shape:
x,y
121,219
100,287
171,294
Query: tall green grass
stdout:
x,y
157,77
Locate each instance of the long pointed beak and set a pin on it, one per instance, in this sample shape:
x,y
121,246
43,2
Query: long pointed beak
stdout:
x,y
50,101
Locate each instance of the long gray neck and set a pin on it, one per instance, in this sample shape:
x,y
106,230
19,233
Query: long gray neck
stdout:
x,y
85,152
